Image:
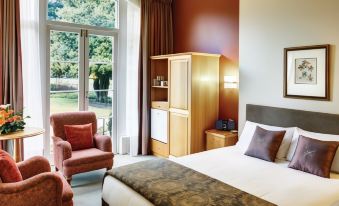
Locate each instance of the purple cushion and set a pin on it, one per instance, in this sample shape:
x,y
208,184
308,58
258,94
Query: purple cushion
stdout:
x,y
265,144
314,156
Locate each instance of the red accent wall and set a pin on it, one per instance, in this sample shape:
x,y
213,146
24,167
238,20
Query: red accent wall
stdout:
x,y
212,27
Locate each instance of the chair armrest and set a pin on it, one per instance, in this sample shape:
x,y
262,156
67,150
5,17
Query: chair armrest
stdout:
x,y
33,166
42,189
64,148
103,142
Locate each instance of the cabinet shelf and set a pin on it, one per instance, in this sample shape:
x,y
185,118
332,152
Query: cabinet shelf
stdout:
x,y
160,87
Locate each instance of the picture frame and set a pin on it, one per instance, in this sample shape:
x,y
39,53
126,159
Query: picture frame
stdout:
x,y
306,72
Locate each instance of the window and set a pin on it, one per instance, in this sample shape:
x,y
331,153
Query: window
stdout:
x,y
82,54
101,13
69,64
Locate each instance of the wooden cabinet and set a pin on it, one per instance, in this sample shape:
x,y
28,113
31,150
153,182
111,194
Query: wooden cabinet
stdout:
x,y
191,98
178,134
217,139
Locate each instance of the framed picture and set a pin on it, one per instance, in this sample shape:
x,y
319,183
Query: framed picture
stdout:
x,y
306,72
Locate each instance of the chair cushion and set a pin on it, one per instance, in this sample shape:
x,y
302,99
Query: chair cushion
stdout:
x,y
67,193
314,156
9,171
265,144
87,156
79,136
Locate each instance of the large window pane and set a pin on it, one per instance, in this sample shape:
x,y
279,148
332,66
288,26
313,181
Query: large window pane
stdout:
x,y
101,13
100,83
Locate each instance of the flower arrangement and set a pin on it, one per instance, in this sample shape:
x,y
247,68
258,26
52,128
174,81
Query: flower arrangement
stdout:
x,y
10,121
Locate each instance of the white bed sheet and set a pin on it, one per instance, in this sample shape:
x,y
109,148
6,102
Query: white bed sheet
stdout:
x,y
274,182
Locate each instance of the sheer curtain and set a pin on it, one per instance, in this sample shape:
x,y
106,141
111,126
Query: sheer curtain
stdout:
x,y
133,39
32,79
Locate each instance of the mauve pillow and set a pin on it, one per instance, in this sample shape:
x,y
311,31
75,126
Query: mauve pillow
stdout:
x,y
265,144
9,171
314,156
79,136
248,132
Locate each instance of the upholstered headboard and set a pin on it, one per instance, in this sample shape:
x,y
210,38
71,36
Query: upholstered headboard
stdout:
x,y
311,121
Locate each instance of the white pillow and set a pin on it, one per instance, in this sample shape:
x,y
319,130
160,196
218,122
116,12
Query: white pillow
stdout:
x,y
313,135
248,132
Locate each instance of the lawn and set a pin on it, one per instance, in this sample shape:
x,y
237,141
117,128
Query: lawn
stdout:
x,y
62,103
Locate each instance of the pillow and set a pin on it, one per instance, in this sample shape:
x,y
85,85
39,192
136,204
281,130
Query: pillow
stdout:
x,y
248,132
314,156
265,144
318,136
9,171
79,136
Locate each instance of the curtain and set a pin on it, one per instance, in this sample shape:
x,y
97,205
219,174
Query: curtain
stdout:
x,y
132,57
156,39
11,86
33,96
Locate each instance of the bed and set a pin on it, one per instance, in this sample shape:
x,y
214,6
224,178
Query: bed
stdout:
x,y
273,182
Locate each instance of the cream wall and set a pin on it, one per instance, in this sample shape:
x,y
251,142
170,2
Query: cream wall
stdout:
x,y
266,28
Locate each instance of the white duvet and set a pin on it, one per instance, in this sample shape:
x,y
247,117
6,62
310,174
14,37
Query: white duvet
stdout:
x,y
274,182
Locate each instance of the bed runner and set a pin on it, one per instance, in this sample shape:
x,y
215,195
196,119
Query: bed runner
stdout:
x,y
166,183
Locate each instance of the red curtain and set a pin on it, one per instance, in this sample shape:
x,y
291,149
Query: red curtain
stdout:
x,y
11,89
156,39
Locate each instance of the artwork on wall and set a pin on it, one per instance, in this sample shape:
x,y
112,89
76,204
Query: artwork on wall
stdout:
x,y
306,72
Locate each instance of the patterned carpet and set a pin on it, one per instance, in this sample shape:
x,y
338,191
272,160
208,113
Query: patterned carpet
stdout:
x,y
87,186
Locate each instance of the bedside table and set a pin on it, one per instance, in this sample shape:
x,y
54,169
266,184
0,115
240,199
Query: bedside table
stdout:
x,y
218,138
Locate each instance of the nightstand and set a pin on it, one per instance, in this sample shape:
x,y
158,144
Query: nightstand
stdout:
x,y
217,138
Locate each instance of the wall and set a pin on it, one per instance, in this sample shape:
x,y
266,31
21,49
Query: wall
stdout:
x,y
212,27
266,28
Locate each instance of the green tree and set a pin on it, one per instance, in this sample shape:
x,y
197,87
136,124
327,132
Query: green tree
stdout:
x,y
89,12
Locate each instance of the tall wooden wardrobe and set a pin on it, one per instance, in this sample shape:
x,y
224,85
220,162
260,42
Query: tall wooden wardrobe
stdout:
x,y
187,105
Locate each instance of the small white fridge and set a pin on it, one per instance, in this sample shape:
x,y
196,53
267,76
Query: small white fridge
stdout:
x,y
159,125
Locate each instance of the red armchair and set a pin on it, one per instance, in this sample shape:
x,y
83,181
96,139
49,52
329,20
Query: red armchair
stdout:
x,y
40,187
73,162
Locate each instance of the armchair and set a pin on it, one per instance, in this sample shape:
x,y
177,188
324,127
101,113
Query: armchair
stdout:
x,y
40,187
73,162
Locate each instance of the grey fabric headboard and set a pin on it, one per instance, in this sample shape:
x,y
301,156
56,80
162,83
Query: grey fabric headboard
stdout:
x,y
310,121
